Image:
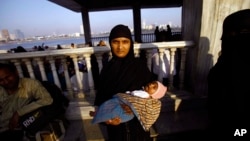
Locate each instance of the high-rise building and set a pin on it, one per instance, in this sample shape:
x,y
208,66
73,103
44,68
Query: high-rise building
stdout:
x,y
19,34
5,34
143,24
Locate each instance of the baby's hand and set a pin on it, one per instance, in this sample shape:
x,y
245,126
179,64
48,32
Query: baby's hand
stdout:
x,y
114,121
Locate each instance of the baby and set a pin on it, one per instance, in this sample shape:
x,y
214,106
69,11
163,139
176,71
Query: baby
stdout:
x,y
124,106
154,89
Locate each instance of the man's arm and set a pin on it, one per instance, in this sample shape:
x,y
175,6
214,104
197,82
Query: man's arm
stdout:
x,y
41,98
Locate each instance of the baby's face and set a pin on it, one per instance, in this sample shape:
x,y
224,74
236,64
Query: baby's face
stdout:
x,y
151,87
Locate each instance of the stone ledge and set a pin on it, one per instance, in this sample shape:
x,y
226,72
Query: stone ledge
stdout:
x,y
79,112
170,123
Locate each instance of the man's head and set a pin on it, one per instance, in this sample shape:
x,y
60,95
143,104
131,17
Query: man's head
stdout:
x,y
120,40
8,76
101,43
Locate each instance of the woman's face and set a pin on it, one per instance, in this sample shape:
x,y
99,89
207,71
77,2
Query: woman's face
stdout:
x,y
120,46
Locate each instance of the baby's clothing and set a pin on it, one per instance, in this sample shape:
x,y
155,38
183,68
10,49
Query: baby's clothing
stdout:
x,y
139,93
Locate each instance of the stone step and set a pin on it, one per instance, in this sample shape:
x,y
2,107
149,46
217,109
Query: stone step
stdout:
x,y
76,112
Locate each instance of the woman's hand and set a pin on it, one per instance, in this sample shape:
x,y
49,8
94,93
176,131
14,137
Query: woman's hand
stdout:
x,y
92,113
114,121
127,109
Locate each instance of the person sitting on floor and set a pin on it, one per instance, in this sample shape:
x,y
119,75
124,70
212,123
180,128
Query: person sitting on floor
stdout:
x,y
18,96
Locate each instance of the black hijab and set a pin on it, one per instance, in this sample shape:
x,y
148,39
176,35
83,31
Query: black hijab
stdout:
x,y
122,74
227,80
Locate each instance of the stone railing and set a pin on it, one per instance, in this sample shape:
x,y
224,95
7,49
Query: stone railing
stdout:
x,y
33,62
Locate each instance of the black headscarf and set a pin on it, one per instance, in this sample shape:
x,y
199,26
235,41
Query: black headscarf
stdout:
x,y
122,74
227,80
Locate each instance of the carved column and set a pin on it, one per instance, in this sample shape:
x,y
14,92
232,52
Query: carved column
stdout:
x,y
54,71
99,61
67,79
172,67
149,58
41,68
90,75
137,53
19,68
79,80
161,64
29,67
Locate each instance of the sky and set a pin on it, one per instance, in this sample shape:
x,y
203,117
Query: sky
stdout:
x,y
42,17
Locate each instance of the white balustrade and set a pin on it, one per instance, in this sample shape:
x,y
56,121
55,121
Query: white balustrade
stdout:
x,y
83,54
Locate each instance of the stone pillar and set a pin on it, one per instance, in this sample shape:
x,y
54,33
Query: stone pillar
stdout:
x,y
99,61
172,67
137,53
41,68
29,67
86,25
149,58
67,79
204,20
77,73
90,75
54,71
18,67
137,23
161,64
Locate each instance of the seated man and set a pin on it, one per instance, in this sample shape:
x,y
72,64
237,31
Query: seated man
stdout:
x,y
18,97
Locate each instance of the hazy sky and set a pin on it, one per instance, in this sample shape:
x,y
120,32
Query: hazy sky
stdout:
x,y
42,17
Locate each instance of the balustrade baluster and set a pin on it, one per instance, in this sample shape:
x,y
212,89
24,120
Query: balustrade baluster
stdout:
x,y
78,79
18,66
161,64
67,79
54,71
149,58
172,68
90,75
41,68
29,67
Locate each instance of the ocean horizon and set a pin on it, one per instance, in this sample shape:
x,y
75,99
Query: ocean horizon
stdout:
x,y
52,43
49,42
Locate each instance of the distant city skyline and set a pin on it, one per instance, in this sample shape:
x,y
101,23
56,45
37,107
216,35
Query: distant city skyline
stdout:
x,y
43,18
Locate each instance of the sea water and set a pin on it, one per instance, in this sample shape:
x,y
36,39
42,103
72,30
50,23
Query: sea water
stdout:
x,y
50,43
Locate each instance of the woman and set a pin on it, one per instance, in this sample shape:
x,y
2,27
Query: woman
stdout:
x,y
123,73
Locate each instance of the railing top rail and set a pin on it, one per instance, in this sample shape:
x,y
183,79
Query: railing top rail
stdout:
x,y
172,44
91,50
